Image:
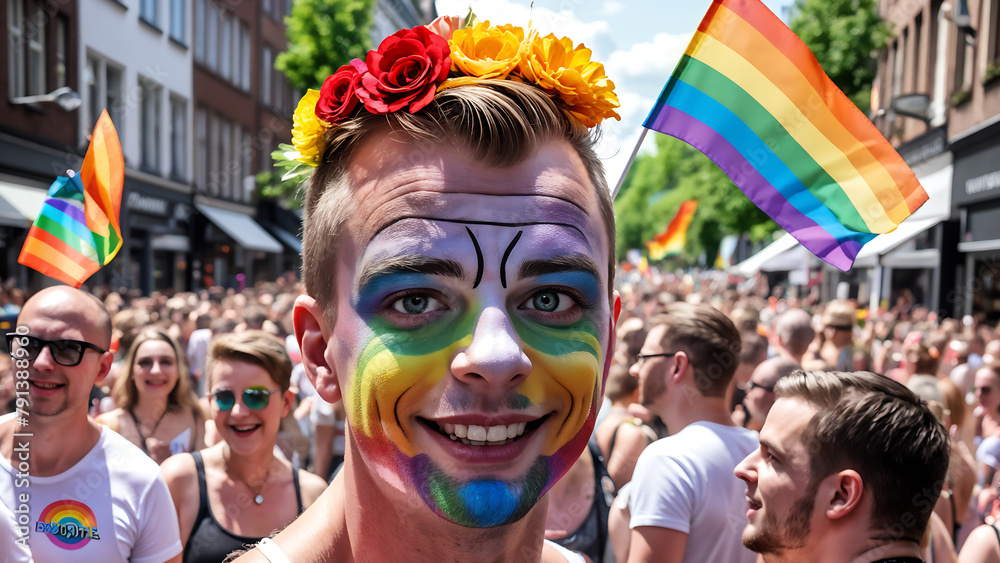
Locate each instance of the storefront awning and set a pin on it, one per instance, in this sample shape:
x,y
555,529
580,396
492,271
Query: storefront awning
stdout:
x,y
782,255
290,240
20,205
870,254
242,228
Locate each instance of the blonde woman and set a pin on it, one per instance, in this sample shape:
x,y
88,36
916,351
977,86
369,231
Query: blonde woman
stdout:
x,y
157,409
237,491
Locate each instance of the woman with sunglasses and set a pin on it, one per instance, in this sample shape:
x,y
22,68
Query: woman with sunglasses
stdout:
x,y
237,491
157,409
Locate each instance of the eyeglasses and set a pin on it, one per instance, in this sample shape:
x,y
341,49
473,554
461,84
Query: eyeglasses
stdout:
x,y
65,352
982,390
639,358
752,384
846,328
255,398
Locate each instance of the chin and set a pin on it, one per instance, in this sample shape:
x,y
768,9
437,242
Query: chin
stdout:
x,y
484,502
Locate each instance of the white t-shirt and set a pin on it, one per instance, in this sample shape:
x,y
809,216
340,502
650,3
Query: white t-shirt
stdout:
x,y
685,482
112,506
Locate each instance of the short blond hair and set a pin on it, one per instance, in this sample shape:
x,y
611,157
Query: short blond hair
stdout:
x,y
254,347
500,122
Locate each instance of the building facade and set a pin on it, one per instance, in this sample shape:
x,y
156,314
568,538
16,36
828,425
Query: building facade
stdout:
x,y
39,140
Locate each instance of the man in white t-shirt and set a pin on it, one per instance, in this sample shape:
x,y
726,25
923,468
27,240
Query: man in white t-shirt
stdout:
x,y
71,489
685,506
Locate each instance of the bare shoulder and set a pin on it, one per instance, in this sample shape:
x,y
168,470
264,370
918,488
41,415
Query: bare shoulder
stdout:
x,y
111,419
179,469
312,487
980,546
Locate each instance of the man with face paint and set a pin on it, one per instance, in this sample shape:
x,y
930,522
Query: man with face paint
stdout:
x,y
458,264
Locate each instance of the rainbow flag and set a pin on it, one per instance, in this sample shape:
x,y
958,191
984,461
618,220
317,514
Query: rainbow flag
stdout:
x,y
750,95
671,241
77,231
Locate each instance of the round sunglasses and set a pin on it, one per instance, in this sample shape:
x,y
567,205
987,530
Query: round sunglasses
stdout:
x,y
255,398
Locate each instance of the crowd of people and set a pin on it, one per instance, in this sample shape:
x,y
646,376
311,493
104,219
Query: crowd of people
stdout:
x,y
694,374
459,376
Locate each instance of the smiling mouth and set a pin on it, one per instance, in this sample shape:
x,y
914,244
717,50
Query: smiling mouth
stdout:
x,y
475,435
42,385
752,504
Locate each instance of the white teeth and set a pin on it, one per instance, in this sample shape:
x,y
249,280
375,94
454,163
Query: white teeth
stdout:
x,y
483,435
477,433
496,433
46,385
246,427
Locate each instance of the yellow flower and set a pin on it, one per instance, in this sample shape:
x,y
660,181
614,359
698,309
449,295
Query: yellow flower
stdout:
x,y
485,51
564,71
307,130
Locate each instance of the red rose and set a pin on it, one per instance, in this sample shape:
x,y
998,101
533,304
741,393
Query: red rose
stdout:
x,y
337,97
405,71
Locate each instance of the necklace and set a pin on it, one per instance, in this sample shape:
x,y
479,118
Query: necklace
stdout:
x,y
138,428
258,498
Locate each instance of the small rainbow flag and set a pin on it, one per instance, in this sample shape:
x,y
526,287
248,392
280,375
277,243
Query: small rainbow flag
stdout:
x,y
77,231
750,95
671,241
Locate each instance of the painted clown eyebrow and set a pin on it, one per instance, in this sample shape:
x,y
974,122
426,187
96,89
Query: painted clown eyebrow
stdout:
x,y
410,264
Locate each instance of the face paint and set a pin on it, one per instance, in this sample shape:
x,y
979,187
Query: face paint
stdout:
x,y
399,367
470,299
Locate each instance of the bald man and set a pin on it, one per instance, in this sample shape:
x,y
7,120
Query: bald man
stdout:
x,y
760,391
793,332
71,489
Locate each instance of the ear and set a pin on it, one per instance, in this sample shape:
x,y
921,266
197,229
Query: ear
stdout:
x,y
682,363
841,493
311,331
104,367
289,401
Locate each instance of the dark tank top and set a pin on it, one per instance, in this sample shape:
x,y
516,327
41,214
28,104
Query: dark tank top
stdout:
x,y
591,537
209,542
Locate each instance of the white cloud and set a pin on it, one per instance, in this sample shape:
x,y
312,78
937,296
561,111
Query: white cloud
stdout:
x,y
657,57
562,21
611,8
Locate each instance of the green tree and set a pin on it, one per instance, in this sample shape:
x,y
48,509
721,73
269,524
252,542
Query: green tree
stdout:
x,y
657,184
322,36
845,36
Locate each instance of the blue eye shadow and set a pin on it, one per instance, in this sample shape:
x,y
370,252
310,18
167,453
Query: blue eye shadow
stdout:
x,y
583,282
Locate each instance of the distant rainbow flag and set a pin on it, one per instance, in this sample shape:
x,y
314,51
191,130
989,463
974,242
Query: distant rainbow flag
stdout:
x,y
750,95
671,241
77,230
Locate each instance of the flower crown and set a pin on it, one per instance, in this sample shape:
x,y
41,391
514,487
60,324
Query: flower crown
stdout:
x,y
412,65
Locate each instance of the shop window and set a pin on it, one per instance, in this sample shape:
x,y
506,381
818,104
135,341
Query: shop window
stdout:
x,y
150,124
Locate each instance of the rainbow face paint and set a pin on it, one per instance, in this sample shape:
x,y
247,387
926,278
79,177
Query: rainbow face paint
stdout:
x,y
472,332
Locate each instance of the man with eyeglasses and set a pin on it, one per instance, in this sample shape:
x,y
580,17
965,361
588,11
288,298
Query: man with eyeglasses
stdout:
x,y
760,389
74,490
684,505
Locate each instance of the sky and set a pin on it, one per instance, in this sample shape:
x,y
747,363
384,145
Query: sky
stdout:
x,y
638,41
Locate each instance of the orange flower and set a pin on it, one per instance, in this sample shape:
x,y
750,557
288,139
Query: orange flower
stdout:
x,y
487,52
567,72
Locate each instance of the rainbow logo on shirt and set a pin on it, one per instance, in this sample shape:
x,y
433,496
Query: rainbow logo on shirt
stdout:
x,y
68,523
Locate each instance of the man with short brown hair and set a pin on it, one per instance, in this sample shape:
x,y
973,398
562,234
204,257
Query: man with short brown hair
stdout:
x,y
684,507
849,468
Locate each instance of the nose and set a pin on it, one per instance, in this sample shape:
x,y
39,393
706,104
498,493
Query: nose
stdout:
x,y
44,360
745,469
494,358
